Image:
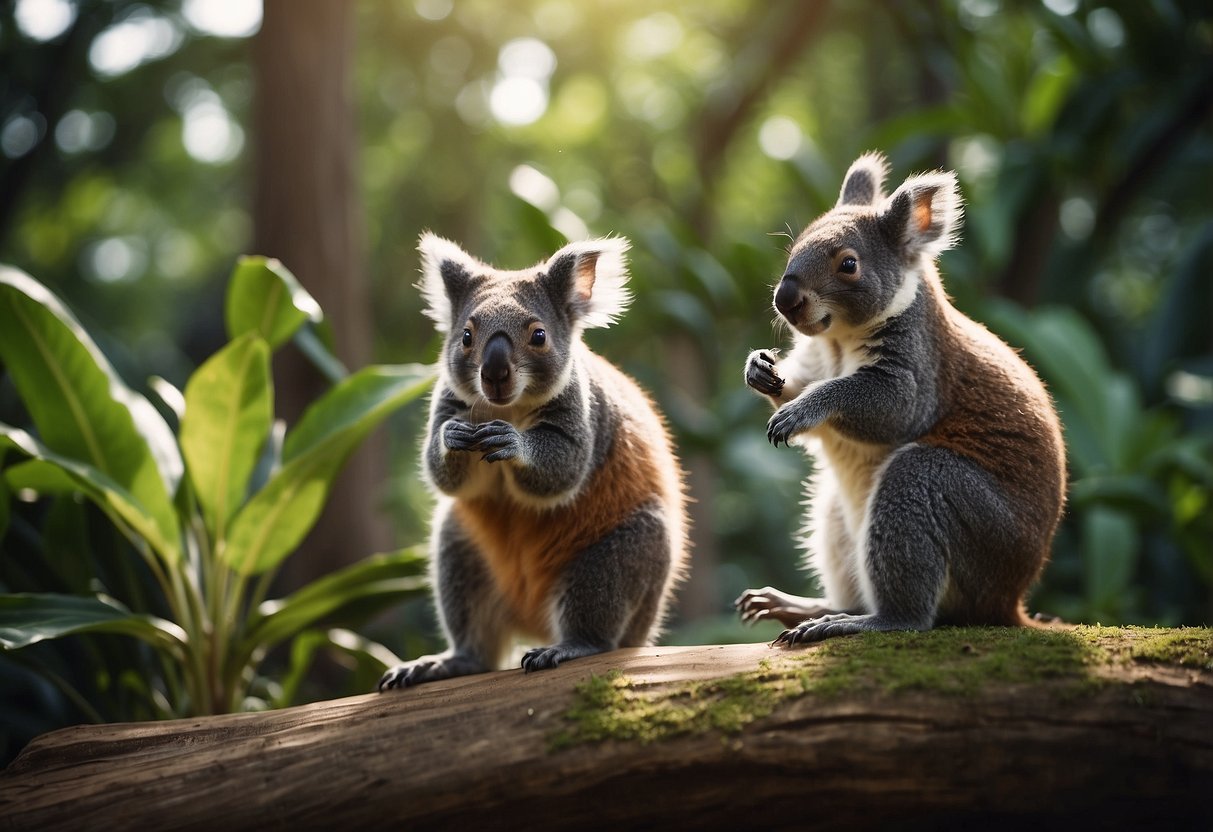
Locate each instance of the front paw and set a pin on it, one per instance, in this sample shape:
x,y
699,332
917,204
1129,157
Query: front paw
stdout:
x,y
795,417
498,440
458,435
760,373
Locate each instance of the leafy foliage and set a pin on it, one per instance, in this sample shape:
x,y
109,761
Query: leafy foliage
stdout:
x,y
1080,130
196,524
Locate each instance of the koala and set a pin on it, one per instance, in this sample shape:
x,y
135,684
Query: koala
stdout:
x,y
940,468
561,514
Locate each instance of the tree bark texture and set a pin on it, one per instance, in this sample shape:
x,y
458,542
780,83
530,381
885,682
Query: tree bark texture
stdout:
x,y
476,753
307,213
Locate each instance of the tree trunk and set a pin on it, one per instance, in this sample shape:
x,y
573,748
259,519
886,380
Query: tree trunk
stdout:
x,y
306,212
478,753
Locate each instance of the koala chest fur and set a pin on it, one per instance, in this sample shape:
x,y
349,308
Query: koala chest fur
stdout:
x,y
851,463
528,548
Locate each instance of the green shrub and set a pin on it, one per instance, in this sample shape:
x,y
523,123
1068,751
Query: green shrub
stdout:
x,y
209,512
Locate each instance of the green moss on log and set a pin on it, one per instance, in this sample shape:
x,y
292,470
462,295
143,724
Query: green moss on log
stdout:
x,y
950,661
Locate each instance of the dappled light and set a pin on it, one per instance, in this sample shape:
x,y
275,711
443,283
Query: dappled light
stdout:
x,y
145,145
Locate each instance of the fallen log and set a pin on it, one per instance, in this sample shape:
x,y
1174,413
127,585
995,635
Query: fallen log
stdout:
x,y
1104,728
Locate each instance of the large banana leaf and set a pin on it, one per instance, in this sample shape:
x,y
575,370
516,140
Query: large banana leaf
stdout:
x,y
51,473
265,298
82,410
228,411
395,575
273,522
28,618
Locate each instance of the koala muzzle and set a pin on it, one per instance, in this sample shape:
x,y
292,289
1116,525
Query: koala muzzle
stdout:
x,y
495,368
788,297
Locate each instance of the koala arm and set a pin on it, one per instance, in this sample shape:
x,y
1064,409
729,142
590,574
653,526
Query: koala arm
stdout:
x,y
448,471
883,402
547,460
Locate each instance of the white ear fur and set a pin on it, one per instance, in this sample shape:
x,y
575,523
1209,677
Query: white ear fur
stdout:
x,y
934,211
600,276
434,252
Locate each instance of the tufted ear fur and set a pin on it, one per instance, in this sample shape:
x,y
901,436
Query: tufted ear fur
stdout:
x,y
594,276
925,214
864,181
446,271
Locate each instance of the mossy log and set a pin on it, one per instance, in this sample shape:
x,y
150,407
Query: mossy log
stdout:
x,y
1090,727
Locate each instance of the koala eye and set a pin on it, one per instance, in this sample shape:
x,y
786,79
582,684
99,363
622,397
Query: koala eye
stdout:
x,y
538,338
849,265
467,338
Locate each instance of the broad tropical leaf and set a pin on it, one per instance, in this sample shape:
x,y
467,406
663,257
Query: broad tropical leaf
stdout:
x,y
228,412
51,473
82,410
264,297
395,574
275,520
28,618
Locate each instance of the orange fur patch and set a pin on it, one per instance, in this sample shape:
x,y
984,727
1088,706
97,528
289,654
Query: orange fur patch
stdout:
x,y
922,211
528,548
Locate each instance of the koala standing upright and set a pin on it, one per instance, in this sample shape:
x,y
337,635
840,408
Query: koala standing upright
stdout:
x,y
561,513
940,465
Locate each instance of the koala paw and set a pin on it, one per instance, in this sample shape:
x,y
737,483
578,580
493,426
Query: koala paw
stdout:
x,y
795,417
459,435
429,669
498,440
760,373
546,658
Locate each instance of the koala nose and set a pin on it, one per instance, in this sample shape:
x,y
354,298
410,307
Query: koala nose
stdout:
x,y
788,297
495,363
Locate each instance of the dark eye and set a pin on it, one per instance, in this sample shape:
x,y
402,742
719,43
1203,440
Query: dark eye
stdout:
x,y
538,338
467,338
849,265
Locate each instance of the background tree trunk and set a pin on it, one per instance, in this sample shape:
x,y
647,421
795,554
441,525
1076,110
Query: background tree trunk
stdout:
x,y
477,753
307,213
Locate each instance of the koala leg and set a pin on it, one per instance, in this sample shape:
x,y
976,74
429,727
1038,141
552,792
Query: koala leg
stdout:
x,y
929,505
832,556
610,593
471,610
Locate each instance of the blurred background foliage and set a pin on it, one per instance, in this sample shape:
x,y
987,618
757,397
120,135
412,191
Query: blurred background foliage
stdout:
x,y
703,131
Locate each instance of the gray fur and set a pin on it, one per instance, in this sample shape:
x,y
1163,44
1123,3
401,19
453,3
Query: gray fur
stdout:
x,y
941,470
526,426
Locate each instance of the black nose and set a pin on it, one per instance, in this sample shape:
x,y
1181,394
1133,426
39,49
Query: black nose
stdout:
x,y
495,363
788,297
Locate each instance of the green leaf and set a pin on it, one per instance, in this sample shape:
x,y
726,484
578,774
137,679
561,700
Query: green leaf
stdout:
x,y
374,390
51,473
367,655
275,519
82,410
228,411
395,574
1110,541
28,618
264,297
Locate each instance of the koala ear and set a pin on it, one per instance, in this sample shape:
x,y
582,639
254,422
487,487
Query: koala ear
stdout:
x,y
592,276
864,181
446,272
925,213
